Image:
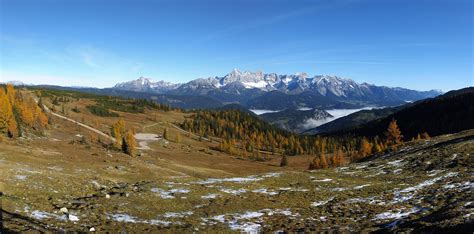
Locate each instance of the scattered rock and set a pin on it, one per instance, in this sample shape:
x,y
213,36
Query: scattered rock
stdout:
x,y
64,210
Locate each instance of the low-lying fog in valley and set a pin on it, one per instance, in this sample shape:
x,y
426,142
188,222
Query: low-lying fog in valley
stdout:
x,y
312,123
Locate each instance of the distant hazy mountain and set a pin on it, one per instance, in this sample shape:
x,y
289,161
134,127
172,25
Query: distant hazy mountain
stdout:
x,y
273,91
14,82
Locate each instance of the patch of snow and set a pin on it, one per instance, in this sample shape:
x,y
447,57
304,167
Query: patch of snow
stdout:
x,y
132,219
265,191
247,222
434,172
396,163
361,186
285,189
73,218
234,191
408,193
45,215
169,194
398,171
177,214
339,189
395,214
259,84
251,178
323,180
320,203
20,177
210,196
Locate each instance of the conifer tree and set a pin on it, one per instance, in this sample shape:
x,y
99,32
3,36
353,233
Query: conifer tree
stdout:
x,y
118,132
393,135
165,134
284,161
129,143
323,161
425,135
178,137
365,148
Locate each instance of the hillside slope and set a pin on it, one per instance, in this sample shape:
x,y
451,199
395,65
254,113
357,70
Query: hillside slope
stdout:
x,y
449,113
155,192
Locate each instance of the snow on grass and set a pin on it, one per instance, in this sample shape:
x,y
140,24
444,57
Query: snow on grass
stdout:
x,y
323,180
398,171
408,193
234,180
246,222
428,182
339,189
320,203
460,186
272,174
368,200
265,191
233,191
434,172
20,177
73,218
396,214
396,163
247,179
170,193
210,196
178,214
361,186
45,215
125,218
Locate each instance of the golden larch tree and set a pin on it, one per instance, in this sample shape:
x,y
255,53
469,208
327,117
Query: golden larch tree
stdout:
x,y
393,135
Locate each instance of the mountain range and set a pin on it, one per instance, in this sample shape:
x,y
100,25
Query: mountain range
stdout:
x,y
272,91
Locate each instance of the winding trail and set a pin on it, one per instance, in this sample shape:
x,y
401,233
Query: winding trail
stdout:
x,y
77,122
184,131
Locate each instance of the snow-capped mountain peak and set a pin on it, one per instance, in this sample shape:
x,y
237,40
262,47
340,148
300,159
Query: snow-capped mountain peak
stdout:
x,y
239,82
144,84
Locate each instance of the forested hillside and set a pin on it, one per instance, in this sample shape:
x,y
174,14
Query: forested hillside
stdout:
x,y
19,113
449,113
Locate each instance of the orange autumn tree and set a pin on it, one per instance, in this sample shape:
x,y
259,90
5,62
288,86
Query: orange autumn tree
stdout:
x,y
128,143
337,159
393,135
365,148
118,131
19,111
8,122
124,139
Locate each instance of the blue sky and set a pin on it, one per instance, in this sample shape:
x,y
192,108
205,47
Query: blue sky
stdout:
x,y
408,43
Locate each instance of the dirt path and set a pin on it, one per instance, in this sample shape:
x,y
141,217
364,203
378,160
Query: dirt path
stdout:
x,y
192,134
77,122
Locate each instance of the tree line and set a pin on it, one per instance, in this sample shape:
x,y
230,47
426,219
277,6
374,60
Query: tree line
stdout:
x,y
19,113
247,136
